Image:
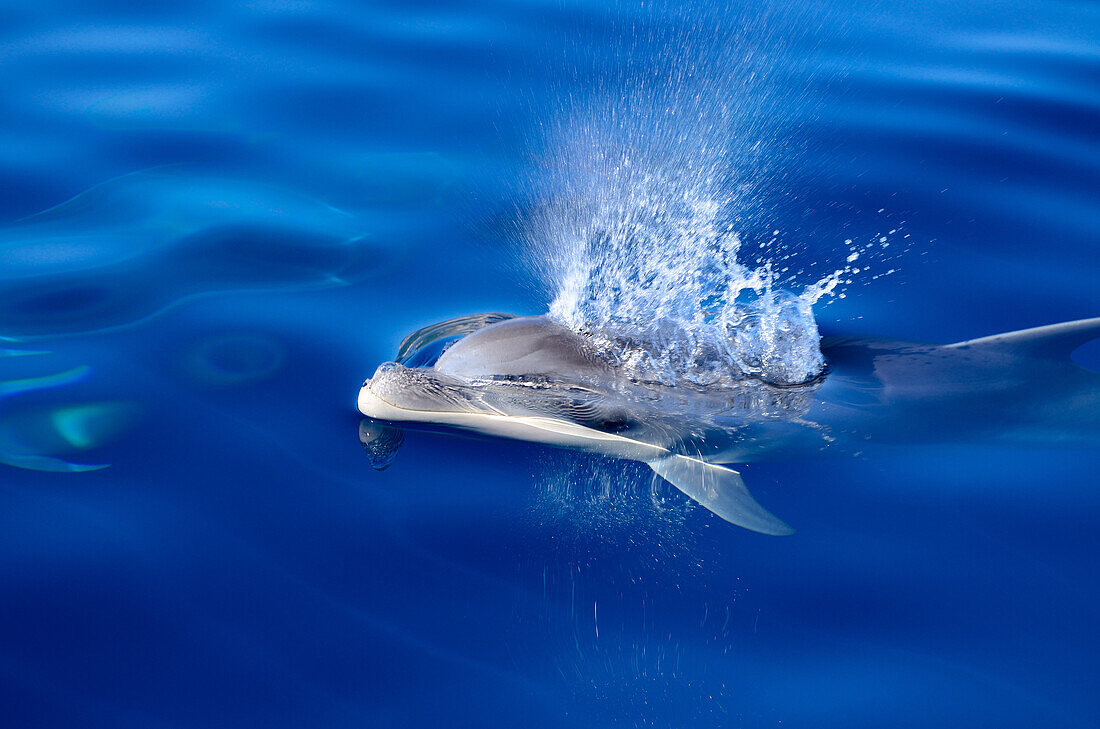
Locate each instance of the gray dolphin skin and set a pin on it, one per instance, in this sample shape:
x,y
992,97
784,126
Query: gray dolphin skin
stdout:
x,y
531,379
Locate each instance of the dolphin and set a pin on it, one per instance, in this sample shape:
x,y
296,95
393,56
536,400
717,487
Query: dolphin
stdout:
x,y
533,379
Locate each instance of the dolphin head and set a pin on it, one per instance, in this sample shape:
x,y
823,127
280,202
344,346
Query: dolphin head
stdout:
x,y
527,366
523,356
399,393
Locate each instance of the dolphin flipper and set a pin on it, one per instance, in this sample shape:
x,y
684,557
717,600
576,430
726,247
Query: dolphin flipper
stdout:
x,y
719,489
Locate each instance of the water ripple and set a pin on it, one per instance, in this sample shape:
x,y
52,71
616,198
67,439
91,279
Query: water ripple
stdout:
x,y
129,248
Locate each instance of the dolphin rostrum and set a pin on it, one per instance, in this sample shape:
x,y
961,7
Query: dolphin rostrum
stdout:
x,y
532,379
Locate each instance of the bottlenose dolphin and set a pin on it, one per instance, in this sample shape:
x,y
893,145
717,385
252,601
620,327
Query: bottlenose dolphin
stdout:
x,y
532,379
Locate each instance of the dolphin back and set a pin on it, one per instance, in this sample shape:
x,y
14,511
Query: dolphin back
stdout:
x,y
1054,341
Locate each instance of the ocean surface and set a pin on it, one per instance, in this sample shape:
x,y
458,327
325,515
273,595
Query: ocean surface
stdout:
x,y
219,218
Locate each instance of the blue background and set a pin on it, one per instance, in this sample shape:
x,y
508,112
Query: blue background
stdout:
x,y
264,197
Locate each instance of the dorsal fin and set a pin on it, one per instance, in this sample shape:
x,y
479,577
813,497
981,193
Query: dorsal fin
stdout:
x,y
1053,341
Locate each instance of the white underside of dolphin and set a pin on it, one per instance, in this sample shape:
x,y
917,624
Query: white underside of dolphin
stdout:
x,y
716,487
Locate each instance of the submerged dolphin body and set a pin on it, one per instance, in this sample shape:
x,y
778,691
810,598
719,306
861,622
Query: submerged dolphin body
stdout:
x,y
532,379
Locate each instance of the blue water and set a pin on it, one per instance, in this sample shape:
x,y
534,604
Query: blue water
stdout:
x,y
220,217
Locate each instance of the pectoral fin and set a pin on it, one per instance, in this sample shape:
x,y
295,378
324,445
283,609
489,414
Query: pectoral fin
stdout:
x,y
719,489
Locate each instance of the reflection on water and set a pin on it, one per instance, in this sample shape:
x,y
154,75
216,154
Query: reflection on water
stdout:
x,y
233,359
380,443
33,436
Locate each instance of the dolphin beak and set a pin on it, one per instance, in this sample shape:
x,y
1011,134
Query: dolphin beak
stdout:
x,y
367,401
375,407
